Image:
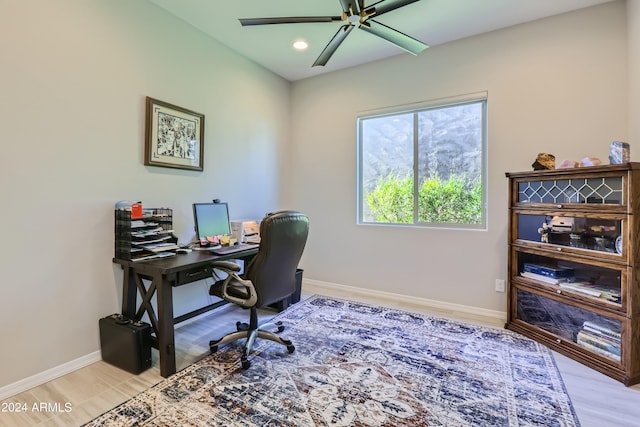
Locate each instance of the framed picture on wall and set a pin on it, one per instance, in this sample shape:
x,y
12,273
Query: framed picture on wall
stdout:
x,y
174,136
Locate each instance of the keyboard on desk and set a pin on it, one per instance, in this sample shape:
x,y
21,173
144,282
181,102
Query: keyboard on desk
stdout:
x,y
225,250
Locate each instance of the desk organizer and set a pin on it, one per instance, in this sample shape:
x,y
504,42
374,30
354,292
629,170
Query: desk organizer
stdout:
x,y
133,235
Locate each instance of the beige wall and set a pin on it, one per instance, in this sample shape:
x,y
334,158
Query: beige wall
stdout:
x,y
556,85
74,75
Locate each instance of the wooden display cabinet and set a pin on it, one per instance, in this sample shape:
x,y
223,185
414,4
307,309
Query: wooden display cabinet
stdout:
x,y
573,264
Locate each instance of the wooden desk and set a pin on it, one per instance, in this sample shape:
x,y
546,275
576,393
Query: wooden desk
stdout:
x,y
162,275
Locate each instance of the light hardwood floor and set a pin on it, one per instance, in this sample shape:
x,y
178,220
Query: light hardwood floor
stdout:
x,y
86,393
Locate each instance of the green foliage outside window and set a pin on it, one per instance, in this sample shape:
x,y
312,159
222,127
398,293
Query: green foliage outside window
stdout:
x,y
455,200
392,200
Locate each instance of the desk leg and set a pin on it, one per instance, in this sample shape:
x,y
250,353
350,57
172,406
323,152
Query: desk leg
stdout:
x,y
166,338
129,292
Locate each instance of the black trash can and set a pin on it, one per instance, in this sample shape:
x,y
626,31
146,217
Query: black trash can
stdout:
x,y
294,297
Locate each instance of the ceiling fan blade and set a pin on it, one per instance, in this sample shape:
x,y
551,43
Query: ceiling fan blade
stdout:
x,y
350,6
399,39
385,6
329,50
288,20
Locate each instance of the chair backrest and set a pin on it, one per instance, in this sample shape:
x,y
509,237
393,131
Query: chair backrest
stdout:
x,y
283,236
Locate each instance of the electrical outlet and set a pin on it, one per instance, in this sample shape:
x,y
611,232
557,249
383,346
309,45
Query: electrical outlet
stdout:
x,y
500,285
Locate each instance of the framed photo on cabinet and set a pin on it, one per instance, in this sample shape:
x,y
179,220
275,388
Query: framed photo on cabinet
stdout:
x,y
174,136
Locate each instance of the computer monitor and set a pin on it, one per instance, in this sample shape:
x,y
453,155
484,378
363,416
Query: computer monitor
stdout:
x,y
211,219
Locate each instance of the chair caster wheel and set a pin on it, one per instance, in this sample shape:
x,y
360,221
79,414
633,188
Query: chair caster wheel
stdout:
x,y
213,348
291,348
245,363
280,328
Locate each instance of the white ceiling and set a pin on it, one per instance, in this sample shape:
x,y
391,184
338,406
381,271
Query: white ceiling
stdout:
x,y
433,22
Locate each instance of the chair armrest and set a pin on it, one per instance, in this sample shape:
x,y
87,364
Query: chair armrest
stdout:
x,y
233,280
227,266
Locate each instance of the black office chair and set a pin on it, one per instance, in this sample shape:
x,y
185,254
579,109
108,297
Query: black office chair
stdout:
x,y
269,278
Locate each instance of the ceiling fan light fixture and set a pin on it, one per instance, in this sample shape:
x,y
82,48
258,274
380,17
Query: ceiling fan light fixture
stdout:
x,y
300,45
354,14
354,19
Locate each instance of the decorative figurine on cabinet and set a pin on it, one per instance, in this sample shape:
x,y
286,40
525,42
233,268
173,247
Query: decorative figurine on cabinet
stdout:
x,y
544,232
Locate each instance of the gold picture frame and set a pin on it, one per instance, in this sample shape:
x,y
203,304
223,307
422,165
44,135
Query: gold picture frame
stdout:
x,y
174,136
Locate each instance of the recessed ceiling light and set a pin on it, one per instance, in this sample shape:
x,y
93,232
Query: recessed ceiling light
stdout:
x,y
300,45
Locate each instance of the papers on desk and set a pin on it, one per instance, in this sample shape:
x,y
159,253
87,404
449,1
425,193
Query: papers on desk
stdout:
x,y
140,223
159,247
156,240
159,231
254,239
157,255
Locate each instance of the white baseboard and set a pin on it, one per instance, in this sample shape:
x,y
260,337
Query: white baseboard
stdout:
x,y
48,375
310,285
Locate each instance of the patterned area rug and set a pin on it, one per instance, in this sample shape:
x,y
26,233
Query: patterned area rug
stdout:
x,y
362,365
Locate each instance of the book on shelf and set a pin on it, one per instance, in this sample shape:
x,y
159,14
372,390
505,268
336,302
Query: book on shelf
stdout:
x,y
605,342
548,271
610,344
594,290
609,328
611,336
541,278
600,351
599,346
583,290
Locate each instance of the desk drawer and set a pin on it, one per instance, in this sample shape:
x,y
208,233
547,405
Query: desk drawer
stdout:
x,y
189,276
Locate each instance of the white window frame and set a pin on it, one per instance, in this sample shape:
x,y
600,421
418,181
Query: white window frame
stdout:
x,y
479,97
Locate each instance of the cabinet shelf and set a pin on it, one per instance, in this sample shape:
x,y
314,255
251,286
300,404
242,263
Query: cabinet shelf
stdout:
x,y
573,279
584,233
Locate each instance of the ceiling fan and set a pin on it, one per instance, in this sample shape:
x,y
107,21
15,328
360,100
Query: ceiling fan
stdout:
x,y
354,13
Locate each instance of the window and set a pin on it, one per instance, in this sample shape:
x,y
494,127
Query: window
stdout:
x,y
424,165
